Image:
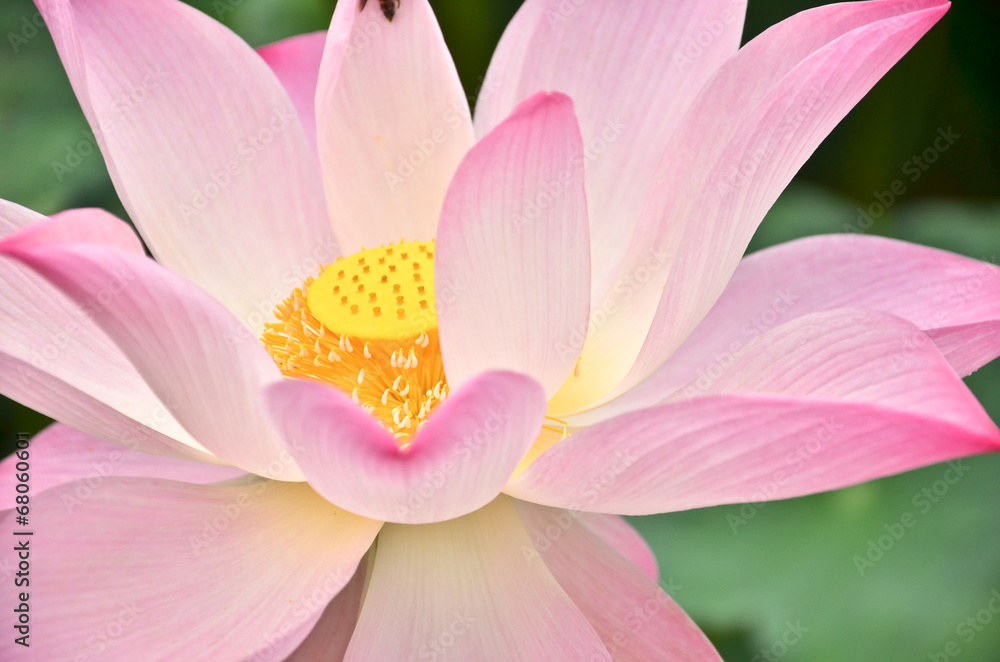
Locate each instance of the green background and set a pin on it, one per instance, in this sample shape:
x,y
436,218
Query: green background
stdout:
x,y
791,567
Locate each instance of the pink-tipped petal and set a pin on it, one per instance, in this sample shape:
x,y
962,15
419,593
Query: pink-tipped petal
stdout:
x,y
825,401
186,346
94,226
512,272
145,428
752,126
637,620
458,461
954,299
59,454
392,123
203,144
619,534
583,49
328,639
174,571
55,359
295,61
465,590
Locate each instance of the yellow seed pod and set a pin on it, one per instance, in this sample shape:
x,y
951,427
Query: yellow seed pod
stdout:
x,y
384,293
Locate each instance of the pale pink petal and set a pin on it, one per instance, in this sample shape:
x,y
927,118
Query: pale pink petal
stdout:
x,y
183,343
55,359
458,461
970,346
59,454
295,61
13,217
637,620
954,299
92,225
584,49
190,572
392,123
753,125
465,590
328,639
822,402
512,272
619,534
203,144
142,430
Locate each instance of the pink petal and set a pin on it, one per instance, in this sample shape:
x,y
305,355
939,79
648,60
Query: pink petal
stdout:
x,y
183,343
458,462
203,144
462,590
13,217
59,454
512,267
392,123
970,346
94,226
954,299
192,572
582,49
295,61
637,620
330,636
48,394
822,402
54,358
619,534
752,126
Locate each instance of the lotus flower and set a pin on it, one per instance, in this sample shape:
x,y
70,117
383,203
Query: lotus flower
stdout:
x,y
395,373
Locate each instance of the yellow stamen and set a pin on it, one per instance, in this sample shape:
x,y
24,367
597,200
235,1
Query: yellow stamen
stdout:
x,y
398,369
549,436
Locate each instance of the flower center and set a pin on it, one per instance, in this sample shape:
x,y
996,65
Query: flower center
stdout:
x,y
367,325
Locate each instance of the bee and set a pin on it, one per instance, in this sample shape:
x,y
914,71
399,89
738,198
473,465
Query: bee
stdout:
x,y
389,7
